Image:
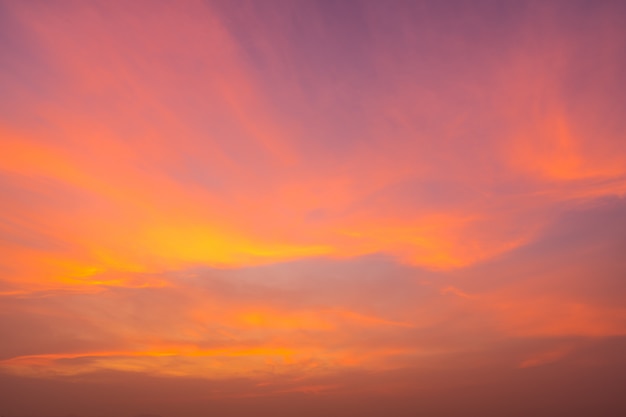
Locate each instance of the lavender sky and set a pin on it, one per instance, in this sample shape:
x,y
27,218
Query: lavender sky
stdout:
x,y
303,207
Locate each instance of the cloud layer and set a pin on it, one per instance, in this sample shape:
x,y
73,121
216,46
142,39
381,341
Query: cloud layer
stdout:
x,y
279,200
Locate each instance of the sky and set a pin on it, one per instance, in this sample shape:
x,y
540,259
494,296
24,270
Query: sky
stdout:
x,y
312,207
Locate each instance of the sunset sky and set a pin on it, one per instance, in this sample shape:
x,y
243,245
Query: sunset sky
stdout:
x,y
312,208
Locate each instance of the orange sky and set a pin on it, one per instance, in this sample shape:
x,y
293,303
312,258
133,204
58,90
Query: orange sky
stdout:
x,y
312,205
